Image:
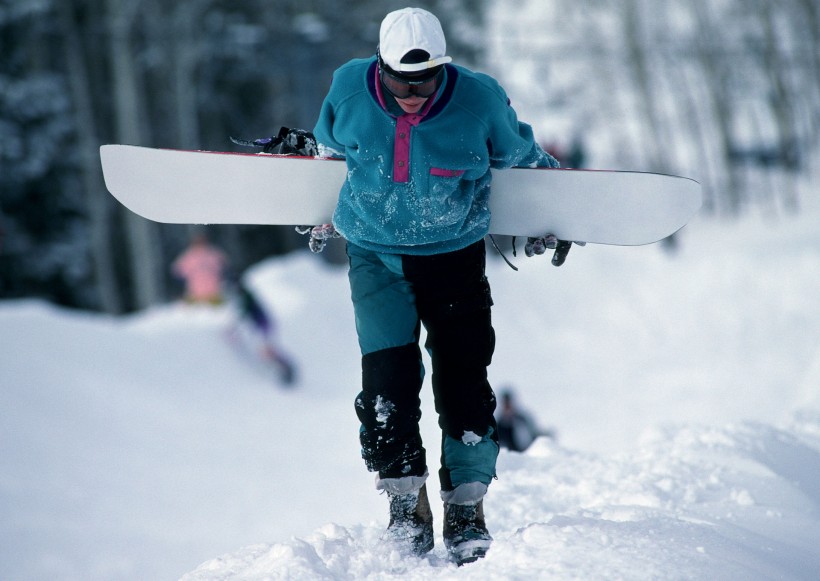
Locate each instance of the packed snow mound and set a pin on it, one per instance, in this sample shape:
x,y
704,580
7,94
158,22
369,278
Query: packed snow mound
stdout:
x,y
682,386
738,502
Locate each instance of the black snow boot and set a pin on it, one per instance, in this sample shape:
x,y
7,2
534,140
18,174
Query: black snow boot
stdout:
x,y
465,533
411,521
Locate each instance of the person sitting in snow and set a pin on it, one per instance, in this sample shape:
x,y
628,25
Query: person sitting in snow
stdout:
x,y
516,428
420,135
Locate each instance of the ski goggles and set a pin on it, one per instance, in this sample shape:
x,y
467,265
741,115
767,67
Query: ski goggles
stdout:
x,y
403,87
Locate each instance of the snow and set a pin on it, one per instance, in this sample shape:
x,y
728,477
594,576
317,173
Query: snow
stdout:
x,y
684,388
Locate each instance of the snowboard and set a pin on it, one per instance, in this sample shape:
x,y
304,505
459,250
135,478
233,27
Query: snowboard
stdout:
x,y
207,187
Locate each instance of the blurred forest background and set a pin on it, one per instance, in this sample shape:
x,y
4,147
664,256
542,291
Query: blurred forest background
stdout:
x,y
726,91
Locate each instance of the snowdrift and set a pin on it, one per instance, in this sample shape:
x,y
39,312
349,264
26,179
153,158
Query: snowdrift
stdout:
x,y
682,386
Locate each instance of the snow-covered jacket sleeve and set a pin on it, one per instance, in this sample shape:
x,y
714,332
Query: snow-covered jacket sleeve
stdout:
x,y
324,131
512,143
535,157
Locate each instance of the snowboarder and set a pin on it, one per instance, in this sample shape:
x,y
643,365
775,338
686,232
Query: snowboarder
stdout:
x,y
420,135
202,266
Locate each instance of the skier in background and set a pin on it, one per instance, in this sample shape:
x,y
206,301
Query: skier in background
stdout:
x,y
202,267
250,309
420,136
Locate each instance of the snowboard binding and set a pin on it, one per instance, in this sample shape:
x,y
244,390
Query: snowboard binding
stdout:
x,y
286,142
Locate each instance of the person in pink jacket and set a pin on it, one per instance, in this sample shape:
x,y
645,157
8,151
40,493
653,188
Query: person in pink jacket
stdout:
x,y
202,267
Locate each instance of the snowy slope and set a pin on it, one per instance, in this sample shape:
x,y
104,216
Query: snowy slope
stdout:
x,y
684,389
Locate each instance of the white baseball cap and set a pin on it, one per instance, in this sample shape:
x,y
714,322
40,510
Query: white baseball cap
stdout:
x,y
412,29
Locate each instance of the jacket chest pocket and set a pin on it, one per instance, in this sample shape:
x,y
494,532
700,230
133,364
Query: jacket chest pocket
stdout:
x,y
446,173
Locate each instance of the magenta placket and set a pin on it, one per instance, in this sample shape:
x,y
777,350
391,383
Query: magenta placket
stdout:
x,y
401,147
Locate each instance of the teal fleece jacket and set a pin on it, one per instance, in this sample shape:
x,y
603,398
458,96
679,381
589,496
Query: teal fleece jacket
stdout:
x,y
420,183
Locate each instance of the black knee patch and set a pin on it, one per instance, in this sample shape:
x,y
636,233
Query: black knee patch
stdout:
x,y
389,410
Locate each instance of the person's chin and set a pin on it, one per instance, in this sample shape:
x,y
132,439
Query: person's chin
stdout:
x,y
411,106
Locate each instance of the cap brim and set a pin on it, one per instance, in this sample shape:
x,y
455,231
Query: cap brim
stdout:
x,y
423,66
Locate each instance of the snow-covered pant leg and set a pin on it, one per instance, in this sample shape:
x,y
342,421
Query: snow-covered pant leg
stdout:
x,y
453,301
389,410
450,295
388,327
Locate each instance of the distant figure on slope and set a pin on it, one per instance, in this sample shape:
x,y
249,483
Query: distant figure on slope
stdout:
x,y
516,428
250,309
202,267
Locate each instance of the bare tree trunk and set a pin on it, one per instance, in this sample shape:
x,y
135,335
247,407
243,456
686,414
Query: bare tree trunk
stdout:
x,y
781,101
810,17
99,204
715,78
185,56
637,56
691,118
131,128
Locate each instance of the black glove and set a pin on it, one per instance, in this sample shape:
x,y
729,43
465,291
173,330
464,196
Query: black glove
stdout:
x,y
319,235
538,246
286,142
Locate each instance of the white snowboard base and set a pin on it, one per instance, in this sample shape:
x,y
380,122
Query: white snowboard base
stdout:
x,y
201,187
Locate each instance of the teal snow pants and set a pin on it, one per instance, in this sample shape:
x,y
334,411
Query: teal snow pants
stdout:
x,y
393,295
